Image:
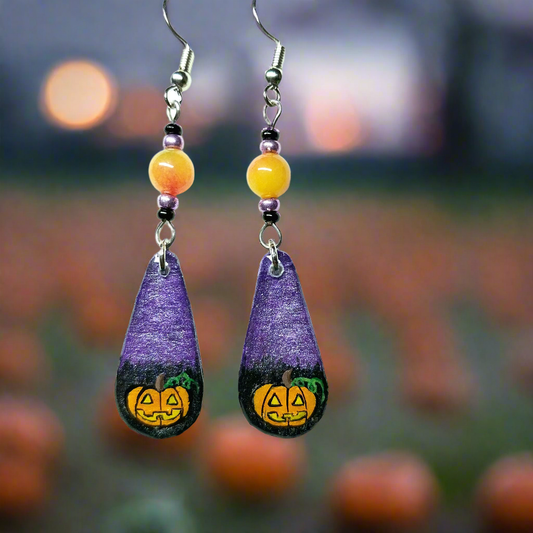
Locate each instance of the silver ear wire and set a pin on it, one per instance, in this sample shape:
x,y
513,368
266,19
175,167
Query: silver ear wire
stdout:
x,y
279,54
181,79
187,56
273,75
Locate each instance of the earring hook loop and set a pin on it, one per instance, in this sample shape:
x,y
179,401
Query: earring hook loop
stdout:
x,y
279,54
171,28
261,27
181,79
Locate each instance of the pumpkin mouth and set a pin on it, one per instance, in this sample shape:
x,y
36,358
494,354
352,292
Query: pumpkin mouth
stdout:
x,y
159,415
287,417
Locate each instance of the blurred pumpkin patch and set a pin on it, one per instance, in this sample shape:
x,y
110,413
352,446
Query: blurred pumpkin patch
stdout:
x,y
31,444
391,492
402,300
505,495
250,465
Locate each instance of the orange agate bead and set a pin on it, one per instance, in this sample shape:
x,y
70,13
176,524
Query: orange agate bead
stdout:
x,y
269,175
171,171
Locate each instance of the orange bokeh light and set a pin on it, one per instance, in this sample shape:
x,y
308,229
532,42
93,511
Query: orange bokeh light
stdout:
x,y
78,94
333,124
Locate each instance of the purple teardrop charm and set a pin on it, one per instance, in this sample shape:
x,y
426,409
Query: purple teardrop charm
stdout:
x,y
159,383
282,385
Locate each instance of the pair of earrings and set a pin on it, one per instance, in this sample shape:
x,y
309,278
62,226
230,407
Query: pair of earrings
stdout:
x,y
282,385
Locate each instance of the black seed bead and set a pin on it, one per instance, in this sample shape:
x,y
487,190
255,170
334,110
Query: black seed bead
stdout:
x,y
270,134
173,129
271,217
165,214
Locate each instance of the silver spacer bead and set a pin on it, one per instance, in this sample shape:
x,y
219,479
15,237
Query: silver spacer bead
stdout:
x,y
181,79
273,76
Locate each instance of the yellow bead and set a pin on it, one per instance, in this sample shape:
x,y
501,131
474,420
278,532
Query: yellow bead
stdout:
x,y
269,175
171,171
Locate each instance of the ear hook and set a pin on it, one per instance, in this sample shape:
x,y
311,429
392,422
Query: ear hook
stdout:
x,y
279,54
182,77
261,27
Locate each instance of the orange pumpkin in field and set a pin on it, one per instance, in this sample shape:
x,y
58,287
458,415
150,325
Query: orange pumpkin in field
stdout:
x,y
24,488
505,495
250,465
30,431
394,490
31,440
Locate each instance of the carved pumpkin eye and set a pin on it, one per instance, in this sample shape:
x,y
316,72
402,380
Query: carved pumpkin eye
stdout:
x,y
172,400
274,401
147,399
298,400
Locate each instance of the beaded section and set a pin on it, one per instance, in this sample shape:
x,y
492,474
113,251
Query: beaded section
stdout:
x,y
271,217
269,204
269,175
173,141
168,201
171,171
173,129
270,134
165,214
270,146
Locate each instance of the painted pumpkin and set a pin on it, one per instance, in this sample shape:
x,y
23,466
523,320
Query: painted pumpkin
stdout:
x,y
290,404
162,405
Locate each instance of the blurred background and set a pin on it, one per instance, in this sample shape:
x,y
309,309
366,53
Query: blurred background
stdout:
x,y
408,125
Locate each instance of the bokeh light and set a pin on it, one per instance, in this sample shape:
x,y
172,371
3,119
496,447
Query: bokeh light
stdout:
x,y
78,94
333,125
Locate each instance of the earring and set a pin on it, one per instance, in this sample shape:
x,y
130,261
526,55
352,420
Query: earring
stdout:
x,y
282,385
159,384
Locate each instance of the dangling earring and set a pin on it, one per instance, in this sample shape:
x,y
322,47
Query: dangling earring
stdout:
x,y
159,384
282,385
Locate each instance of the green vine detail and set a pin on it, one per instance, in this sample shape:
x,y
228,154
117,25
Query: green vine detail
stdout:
x,y
311,384
183,380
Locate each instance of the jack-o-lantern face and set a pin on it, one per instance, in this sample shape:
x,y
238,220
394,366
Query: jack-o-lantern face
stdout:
x,y
282,406
159,406
290,404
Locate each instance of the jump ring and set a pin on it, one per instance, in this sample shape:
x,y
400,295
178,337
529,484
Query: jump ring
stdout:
x,y
276,268
273,253
278,231
163,265
173,113
268,120
272,102
166,242
173,96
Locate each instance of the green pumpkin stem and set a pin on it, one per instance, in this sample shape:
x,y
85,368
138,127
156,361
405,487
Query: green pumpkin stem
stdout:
x,y
311,384
183,380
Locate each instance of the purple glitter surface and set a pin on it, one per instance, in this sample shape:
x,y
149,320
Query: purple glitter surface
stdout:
x,y
280,325
162,328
